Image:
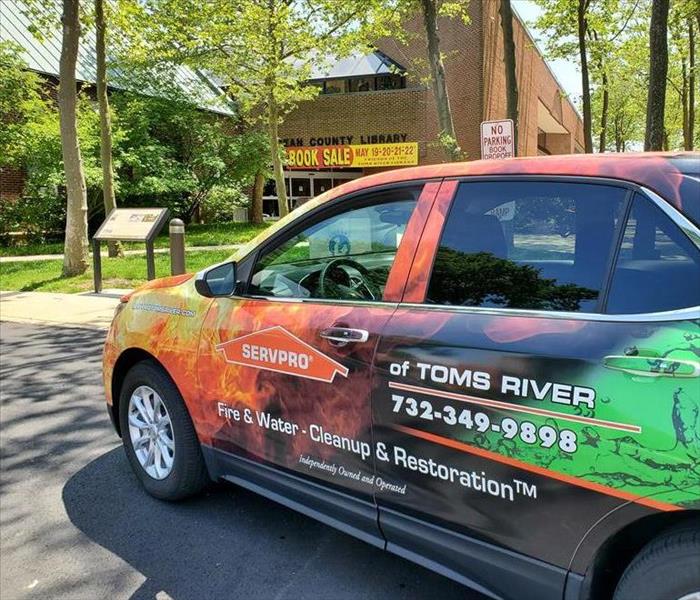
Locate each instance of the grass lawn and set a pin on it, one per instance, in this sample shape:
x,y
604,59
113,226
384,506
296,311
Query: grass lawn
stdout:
x,y
127,272
212,234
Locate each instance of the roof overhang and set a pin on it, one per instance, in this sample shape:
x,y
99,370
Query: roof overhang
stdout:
x,y
546,121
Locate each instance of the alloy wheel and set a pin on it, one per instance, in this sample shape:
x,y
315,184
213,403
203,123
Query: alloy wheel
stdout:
x,y
151,432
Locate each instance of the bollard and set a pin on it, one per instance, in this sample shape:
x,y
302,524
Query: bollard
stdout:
x,y
177,246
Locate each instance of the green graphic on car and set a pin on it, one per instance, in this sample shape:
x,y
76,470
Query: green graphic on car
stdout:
x,y
663,456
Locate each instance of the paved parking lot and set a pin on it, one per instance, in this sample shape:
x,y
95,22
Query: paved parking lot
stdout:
x,y
74,524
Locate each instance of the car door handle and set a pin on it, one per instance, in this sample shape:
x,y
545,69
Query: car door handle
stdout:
x,y
653,366
340,336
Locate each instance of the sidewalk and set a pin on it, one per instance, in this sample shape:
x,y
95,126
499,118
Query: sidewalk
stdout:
x,y
39,257
86,310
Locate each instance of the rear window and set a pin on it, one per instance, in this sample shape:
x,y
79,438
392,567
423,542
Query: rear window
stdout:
x,y
690,196
527,245
658,267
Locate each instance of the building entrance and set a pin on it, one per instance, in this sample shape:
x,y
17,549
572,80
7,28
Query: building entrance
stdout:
x,y
304,185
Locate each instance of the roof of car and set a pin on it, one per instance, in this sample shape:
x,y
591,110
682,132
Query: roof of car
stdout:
x,y
661,172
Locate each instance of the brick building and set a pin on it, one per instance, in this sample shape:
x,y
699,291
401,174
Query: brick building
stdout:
x,y
375,111
382,97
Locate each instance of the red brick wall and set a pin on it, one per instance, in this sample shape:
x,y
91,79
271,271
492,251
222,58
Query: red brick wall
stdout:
x,y
461,45
362,113
535,82
11,184
476,85
412,110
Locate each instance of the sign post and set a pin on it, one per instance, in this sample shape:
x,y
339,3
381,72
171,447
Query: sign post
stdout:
x,y
497,139
128,225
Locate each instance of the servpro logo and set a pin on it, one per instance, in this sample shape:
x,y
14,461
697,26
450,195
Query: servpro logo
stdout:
x,y
275,349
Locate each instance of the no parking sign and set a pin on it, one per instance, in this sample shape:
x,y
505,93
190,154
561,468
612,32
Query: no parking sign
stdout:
x,y
497,139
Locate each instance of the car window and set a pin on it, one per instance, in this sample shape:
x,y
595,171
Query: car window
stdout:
x,y
346,256
526,244
658,267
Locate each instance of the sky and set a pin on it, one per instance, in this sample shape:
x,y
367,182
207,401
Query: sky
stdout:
x,y
566,71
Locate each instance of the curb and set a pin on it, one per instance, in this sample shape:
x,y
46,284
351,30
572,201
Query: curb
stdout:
x,y
48,257
25,321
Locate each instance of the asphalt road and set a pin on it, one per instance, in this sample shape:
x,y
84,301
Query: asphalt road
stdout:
x,y
75,524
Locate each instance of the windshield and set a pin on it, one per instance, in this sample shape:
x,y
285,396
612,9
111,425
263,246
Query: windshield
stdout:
x,y
248,247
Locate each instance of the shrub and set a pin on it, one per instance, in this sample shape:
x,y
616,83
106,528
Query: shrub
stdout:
x,y
39,219
221,203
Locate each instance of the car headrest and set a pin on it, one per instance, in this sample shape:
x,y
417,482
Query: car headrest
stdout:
x,y
477,233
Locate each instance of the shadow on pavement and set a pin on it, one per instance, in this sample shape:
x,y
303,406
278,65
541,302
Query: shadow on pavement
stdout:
x,y
231,543
53,408
65,487
46,361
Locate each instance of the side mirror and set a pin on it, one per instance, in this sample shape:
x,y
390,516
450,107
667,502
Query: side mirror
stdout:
x,y
217,281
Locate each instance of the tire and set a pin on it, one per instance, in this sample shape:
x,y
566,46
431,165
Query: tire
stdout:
x,y
667,568
171,435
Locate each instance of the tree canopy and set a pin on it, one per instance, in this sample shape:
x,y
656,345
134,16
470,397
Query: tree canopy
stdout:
x,y
262,52
617,44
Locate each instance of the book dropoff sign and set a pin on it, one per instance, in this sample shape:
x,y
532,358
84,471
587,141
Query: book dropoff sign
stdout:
x,y
497,139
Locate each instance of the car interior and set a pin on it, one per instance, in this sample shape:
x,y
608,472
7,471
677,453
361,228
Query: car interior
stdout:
x,y
561,238
555,241
343,257
567,239
657,266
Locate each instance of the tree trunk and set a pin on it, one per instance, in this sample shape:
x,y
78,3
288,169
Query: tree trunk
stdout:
x,y
75,257
658,71
585,83
278,171
448,138
604,113
684,104
618,136
509,60
691,84
114,248
256,205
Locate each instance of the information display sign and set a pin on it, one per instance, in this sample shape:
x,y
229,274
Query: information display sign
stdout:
x,y
128,225
132,224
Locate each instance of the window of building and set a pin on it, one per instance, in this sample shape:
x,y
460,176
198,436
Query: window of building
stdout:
x,y
542,143
391,82
658,267
322,184
526,245
301,187
347,256
334,86
363,84
270,188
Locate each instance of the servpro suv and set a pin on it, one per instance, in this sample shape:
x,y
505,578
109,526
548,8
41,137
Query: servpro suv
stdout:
x,y
489,368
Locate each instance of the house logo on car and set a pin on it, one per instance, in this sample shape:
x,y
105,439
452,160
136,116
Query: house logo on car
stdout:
x,y
275,349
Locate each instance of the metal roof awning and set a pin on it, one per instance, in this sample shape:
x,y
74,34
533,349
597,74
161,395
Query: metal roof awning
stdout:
x,y
43,56
356,65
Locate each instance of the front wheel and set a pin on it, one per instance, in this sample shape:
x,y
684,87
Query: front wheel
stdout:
x,y
158,434
667,568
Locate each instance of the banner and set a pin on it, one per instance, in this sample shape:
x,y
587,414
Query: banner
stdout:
x,y
362,155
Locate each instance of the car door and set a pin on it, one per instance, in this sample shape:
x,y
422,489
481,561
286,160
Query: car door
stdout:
x,y
505,422
284,366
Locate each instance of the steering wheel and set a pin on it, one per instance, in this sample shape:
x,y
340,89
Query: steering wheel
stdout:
x,y
365,282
